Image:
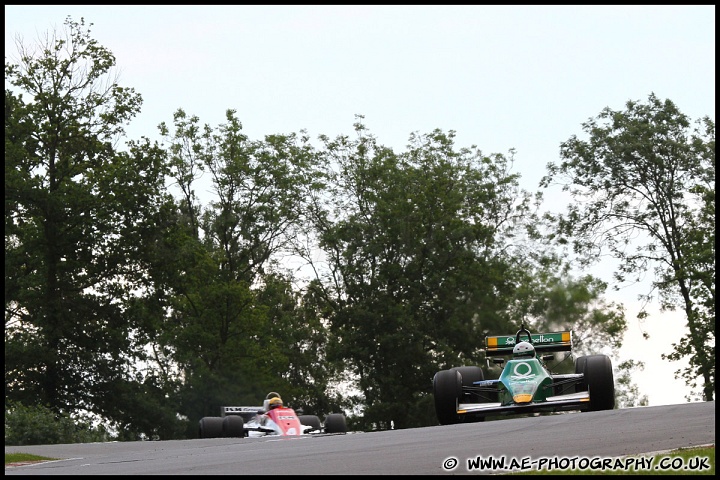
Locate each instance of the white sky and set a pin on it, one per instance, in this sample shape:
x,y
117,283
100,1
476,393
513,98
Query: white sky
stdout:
x,y
501,77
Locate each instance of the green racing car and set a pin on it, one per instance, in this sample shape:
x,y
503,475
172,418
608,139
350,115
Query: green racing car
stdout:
x,y
526,384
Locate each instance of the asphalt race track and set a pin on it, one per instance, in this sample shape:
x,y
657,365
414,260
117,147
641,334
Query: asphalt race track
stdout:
x,y
418,451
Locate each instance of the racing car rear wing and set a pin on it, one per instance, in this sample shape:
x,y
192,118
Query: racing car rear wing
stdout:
x,y
239,411
499,345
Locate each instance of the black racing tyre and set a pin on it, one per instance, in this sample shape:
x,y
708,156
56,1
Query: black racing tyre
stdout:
x,y
580,368
335,423
447,390
233,426
312,421
210,427
470,375
601,385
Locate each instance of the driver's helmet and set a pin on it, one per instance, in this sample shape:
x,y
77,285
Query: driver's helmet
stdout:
x,y
275,402
524,350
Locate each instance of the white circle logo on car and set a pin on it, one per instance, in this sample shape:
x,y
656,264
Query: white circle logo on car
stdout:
x,y
522,375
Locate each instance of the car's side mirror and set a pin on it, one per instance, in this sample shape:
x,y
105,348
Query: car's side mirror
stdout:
x,y
498,361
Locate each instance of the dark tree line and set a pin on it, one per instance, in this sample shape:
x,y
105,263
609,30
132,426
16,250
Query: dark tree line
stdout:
x,y
130,296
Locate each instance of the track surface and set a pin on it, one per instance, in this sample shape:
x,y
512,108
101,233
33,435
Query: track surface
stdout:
x,y
417,451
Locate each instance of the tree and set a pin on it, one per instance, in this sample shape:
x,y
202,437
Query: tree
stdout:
x,y
234,328
626,393
417,274
556,301
39,425
76,213
644,185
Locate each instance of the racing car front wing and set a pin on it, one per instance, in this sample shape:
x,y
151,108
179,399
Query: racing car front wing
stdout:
x,y
569,402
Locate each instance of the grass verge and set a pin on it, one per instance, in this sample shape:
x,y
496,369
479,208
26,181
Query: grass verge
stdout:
x,y
17,459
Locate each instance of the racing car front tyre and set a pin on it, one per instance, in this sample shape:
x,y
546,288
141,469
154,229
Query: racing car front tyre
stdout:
x,y
312,421
335,423
447,389
469,375
210,427
233,426
598,374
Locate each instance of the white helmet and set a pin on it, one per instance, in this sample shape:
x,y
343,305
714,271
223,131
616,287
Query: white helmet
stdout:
x,y
524,349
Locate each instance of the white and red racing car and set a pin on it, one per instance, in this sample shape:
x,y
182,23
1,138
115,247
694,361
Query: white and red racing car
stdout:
x,y
272,418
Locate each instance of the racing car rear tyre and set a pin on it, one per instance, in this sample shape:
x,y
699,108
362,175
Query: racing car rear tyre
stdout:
x,y
312,421
210,427
233,426
447,389
599,377
335,423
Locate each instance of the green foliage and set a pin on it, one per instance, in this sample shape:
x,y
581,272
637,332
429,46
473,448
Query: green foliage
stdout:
x,y
626,393
550,298
416,275
39,425
152,311
644,190
78,216
236,327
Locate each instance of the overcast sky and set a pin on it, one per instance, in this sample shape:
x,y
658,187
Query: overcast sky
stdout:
x,y
502,77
